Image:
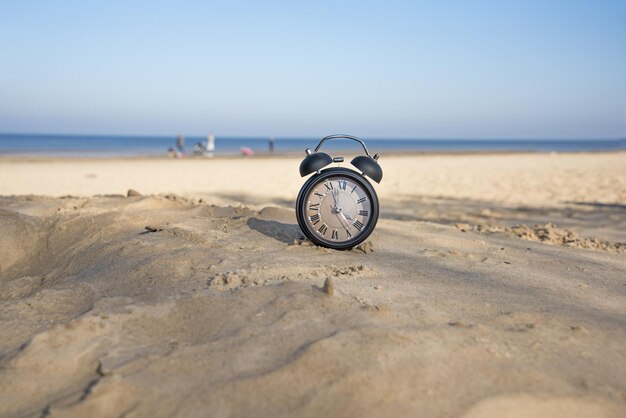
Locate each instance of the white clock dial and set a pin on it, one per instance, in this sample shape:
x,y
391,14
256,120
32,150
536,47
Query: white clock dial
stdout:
x,y
338,209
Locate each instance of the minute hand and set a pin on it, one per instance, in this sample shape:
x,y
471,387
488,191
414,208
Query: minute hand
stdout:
x,y
343,215
342,218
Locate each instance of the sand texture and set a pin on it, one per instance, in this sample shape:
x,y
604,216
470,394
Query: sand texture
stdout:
x,y
493,286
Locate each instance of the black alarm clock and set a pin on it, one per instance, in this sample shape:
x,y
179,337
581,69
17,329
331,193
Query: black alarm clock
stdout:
x,y
338,207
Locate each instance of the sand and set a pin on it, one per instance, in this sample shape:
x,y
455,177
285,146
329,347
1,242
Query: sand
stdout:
x,y
493,286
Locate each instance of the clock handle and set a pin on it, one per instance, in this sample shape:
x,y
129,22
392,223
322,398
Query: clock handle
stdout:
x,y
354,138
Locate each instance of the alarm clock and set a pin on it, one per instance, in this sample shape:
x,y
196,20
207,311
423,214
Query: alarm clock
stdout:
x,y
338,207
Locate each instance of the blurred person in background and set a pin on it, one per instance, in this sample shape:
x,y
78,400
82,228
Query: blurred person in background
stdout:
x,y
180,145
210,145
205,148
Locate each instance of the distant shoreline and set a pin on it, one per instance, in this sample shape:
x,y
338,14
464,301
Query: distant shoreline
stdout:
x,y
74,146
287,155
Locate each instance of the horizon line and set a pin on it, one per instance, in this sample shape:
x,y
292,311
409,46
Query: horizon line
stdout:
x,y
305,137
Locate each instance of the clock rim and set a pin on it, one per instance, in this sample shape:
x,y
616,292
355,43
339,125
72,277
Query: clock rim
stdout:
x,y
330,172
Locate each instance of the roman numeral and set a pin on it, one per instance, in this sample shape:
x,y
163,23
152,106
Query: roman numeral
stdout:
x,y
318,194
335,234
329,185
361,200
348,233
363,212
315,218
314,206
343,184
353,190
358,225
322,229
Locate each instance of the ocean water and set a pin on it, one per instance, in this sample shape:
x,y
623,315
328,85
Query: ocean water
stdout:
x,y
120,146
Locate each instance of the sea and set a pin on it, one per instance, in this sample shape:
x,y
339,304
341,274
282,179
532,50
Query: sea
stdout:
x,y
150,146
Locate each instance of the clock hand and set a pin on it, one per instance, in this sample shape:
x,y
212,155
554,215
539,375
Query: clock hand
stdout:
x,y
338,212
344,218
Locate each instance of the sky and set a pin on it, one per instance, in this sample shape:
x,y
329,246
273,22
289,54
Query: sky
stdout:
x,y
414,69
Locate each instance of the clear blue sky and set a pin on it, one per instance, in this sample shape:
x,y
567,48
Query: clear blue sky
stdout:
x,y
439,69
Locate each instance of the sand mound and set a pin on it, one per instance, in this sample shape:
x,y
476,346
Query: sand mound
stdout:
x,y
20,233
526,406
548,234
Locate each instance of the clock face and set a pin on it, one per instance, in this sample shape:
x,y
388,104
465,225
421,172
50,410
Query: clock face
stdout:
x,y
339,210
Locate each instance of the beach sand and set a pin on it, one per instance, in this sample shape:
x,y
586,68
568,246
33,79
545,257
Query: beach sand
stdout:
x,y
493,286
